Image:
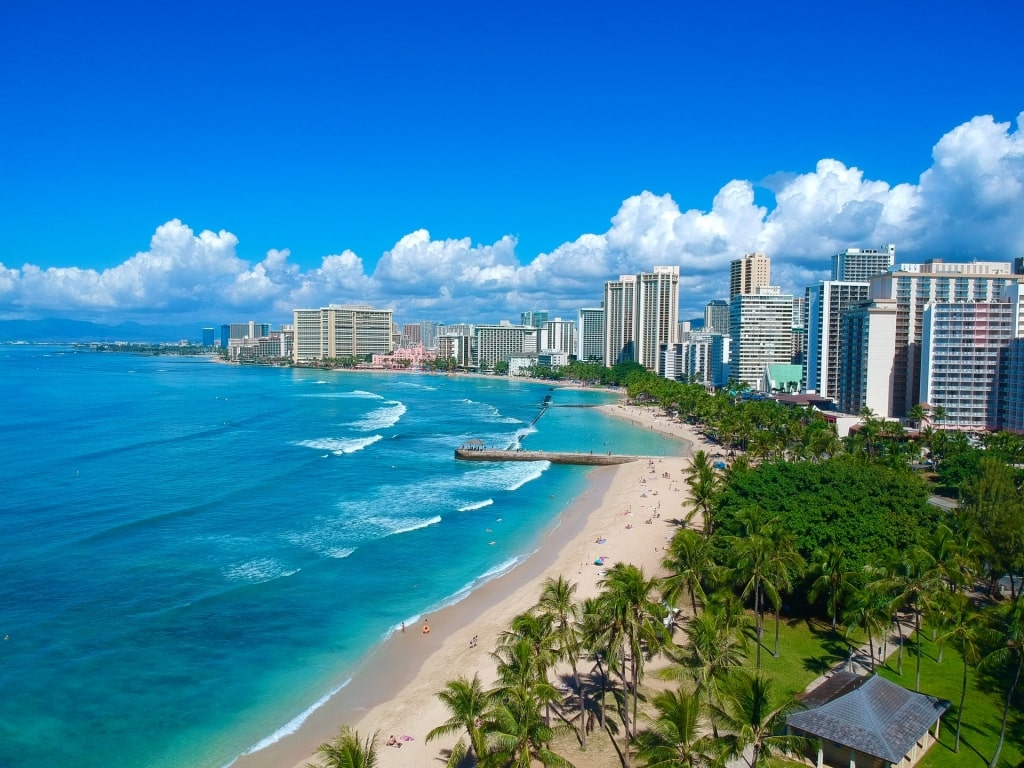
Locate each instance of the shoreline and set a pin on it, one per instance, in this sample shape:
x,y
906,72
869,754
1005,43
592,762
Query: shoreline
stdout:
x,y
392,690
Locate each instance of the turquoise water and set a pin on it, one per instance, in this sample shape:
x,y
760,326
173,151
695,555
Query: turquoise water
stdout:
x,y
196,555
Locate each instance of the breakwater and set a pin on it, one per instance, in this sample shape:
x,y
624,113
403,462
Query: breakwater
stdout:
x,y
555,457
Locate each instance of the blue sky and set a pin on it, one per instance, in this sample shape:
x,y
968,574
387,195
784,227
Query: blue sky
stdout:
x,y
468,161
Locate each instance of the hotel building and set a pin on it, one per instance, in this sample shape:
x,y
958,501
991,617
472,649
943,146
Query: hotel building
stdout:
x,y
641,314
866,360
761,327
591,334
861,264
826,302
748,274
340,331
964,359
914,286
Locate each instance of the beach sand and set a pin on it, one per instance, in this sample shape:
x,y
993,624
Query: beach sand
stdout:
x,y
393,693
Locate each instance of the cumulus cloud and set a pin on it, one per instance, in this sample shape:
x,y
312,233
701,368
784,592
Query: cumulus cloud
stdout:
x,y
966,205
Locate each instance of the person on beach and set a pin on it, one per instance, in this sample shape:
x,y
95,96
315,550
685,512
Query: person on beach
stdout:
x,y
426,629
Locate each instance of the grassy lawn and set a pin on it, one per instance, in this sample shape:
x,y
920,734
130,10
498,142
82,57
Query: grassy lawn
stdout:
x,y
808,648
983,710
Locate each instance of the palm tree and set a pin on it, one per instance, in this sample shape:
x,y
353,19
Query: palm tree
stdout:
x,y
520,733
916,582
752,552
633,616
705,485
715,648
965,632
784,565
755,717
690,559
562,613
869,609
834,577
469,705
677,737
347,751
1009,622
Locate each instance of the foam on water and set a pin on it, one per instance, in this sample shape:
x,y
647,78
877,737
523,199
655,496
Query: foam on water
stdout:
x,y
340,446
496,572
258,571
476,505
381,418
292,725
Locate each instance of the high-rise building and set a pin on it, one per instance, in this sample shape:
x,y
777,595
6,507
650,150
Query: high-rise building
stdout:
x,y
536,318
964,348
748,274
591,334
867,341
208,337
761,327
716,316
641,313
496,343
558,335
826,302
1011,402
861,264
340,331
913,286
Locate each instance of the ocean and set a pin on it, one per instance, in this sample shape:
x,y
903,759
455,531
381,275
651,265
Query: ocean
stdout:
x,y
195,556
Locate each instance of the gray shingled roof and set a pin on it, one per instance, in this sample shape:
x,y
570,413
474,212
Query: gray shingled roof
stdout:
x,y
878,718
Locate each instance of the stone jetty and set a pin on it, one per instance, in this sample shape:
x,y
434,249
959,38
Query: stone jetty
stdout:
x,y
555,457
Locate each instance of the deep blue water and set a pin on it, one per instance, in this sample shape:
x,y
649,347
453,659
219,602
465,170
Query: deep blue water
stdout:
x,y
193,555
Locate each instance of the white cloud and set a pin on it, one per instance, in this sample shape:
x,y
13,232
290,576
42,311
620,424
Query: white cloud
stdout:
x,y
966,205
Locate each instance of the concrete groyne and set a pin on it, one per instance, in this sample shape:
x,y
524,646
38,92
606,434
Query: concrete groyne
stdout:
x,y
555,457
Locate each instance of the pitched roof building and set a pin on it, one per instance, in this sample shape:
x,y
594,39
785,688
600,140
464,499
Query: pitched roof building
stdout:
x,y
869,722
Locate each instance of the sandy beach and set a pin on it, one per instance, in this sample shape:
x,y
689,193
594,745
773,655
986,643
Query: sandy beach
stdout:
x,y
632,509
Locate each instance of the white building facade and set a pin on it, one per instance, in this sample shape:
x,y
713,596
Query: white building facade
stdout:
x,y
761,327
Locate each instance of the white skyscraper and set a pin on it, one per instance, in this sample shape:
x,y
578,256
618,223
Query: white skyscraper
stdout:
x,y
963,358
826,302
641,314
761,328
861,264
913,286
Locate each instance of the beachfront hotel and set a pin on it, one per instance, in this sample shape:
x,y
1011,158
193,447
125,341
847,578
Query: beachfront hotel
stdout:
x,y
641,313
341,331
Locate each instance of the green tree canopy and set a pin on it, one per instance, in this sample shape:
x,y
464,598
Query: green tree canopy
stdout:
x,y
864,507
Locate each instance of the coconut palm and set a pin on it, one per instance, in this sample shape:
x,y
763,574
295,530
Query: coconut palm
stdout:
x,y
1009,623
520,733
834,578
755,718
347,751
562,613
916,582
784,565
468,704
966,631
690,560
715,647
705,485
628,602
752,553
869,610
678,736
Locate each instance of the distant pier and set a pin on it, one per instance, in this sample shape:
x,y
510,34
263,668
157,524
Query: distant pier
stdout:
x,y
555,457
